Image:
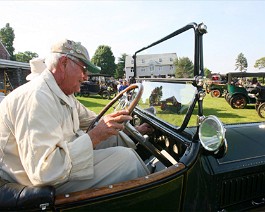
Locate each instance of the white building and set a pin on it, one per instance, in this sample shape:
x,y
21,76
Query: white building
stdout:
x,y
151,65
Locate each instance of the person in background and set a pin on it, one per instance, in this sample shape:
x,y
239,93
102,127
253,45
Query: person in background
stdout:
x,y
255,82
42,131
123,86
132,80
37,66
119,83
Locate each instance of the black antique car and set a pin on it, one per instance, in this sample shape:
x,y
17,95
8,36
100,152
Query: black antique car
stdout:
x,y
197,163
98,84
260,101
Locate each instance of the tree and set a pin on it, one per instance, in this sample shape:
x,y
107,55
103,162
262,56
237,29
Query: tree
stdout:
x,y
260,63
120,66
7,37
156,96
184,67
241,62
25,56
105,59
207,72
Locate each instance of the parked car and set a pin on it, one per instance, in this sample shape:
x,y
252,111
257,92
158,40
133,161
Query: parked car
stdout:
x,y
240,92
165,104
196,163
260,101
216,86
98,84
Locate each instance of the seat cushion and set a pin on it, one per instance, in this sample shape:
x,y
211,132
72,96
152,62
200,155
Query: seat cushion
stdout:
x,y
14,196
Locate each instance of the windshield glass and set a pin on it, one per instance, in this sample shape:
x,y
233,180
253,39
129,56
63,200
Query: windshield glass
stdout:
x,y
162,68
231,103
171,100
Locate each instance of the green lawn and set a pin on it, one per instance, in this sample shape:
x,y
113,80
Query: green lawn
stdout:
x,y
212,106
220,108
94,103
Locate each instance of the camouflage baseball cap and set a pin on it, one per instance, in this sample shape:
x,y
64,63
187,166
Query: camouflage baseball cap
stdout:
x,y
76,50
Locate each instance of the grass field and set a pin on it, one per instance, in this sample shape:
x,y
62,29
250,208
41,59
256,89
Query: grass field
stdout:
x,y
212,106
220,108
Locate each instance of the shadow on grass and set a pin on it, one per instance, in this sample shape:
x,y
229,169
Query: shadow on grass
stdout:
x,y
169,110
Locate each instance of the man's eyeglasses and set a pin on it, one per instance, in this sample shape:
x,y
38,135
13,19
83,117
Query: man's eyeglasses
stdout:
x,y
84,68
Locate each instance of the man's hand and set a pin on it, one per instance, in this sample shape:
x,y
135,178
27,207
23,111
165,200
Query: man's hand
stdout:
x,y
145,129
109,125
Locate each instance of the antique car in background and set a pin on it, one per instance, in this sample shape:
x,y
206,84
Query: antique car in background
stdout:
x,y
240,90
98,84
196,162
165,104
216,85
260,101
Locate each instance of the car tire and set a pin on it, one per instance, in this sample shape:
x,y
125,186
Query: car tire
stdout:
x,y
238,102
85,94
228,97
216,93
261,110
105,95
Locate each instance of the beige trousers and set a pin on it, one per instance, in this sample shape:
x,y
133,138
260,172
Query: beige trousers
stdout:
x,y
114,161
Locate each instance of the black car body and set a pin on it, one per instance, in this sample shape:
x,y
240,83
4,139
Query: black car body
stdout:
x,y
98,84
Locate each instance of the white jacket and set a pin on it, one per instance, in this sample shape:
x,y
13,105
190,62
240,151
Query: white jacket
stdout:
x,y
40,137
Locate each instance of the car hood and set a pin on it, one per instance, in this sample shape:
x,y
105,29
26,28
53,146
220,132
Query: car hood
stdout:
x,y
245,148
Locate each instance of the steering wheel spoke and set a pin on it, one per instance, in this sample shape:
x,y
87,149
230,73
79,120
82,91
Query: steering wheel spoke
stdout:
x,y
128,104
128,99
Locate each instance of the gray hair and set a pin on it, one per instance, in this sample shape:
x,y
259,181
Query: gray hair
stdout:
x,y
52,59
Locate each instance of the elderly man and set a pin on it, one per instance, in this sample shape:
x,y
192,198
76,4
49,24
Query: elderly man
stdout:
x,y
41,141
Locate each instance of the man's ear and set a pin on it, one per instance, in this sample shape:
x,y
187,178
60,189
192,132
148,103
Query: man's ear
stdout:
x,y
59,74
62,62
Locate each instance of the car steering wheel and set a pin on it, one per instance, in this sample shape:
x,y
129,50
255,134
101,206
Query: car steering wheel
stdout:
x,y
129,102
125,101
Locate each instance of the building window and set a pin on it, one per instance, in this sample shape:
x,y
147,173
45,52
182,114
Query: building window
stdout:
x,y
142,60
160,59
171,67
143,69
131,61
170,59
160,68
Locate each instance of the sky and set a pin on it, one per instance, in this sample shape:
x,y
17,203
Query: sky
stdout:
x,y
234,27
